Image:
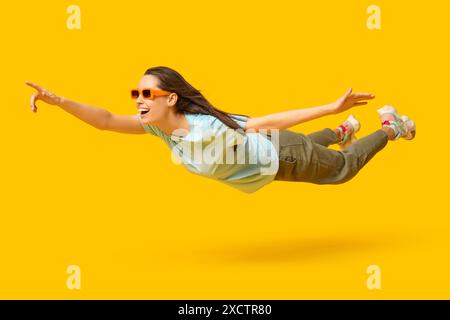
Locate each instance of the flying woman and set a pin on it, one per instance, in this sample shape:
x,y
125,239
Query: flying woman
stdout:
x,y
261,149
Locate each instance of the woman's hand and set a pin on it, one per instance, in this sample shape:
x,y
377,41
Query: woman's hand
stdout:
x,y
350,100
42,94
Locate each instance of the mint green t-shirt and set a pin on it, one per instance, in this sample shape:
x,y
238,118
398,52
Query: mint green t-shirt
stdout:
x,y
244,160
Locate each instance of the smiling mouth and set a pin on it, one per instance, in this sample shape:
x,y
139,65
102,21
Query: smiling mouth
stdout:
x,y
143,111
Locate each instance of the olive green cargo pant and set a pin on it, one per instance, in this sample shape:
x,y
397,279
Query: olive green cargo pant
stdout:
x,y
307,158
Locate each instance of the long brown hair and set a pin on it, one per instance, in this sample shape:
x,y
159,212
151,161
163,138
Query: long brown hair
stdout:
x,y
190,100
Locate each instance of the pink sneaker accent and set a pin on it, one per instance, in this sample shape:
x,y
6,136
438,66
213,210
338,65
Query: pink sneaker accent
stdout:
x,y
348,130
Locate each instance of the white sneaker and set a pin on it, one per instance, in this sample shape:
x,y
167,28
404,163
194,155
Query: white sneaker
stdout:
x,y
403,126
348,130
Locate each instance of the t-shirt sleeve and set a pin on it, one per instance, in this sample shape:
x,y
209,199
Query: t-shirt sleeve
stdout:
x,y
241,120
239,137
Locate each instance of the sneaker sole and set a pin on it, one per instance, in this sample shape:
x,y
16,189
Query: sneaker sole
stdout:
x,y
411,125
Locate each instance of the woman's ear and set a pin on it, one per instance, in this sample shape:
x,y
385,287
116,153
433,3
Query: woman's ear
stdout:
x,y
172,99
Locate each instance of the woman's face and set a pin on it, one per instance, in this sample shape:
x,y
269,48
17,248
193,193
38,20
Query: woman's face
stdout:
x,y
153,111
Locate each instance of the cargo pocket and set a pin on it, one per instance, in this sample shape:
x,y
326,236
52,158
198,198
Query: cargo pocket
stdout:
x,y
287,166
286,170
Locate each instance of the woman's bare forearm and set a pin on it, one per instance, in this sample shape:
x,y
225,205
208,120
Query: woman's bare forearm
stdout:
x,y
95,116
290,118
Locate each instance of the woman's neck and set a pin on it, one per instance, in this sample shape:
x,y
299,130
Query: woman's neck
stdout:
x,y
175,121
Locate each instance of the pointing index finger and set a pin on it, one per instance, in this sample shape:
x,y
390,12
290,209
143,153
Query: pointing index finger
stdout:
x,y
33,85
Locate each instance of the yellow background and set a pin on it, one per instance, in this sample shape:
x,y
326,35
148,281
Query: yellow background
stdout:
x,y
142,227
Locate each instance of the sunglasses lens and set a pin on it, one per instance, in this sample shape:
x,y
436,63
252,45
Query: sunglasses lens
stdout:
x,y
146,93
134,94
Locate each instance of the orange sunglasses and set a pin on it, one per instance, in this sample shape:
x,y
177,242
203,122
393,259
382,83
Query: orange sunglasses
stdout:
x,y
148,93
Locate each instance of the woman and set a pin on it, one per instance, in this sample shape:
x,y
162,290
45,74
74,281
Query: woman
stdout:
x,y
259,150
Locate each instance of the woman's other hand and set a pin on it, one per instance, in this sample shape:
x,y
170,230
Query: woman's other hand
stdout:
x,y
350,100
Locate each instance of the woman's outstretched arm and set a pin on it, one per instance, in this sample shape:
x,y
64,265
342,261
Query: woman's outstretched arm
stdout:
x,y
290,118
97,117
